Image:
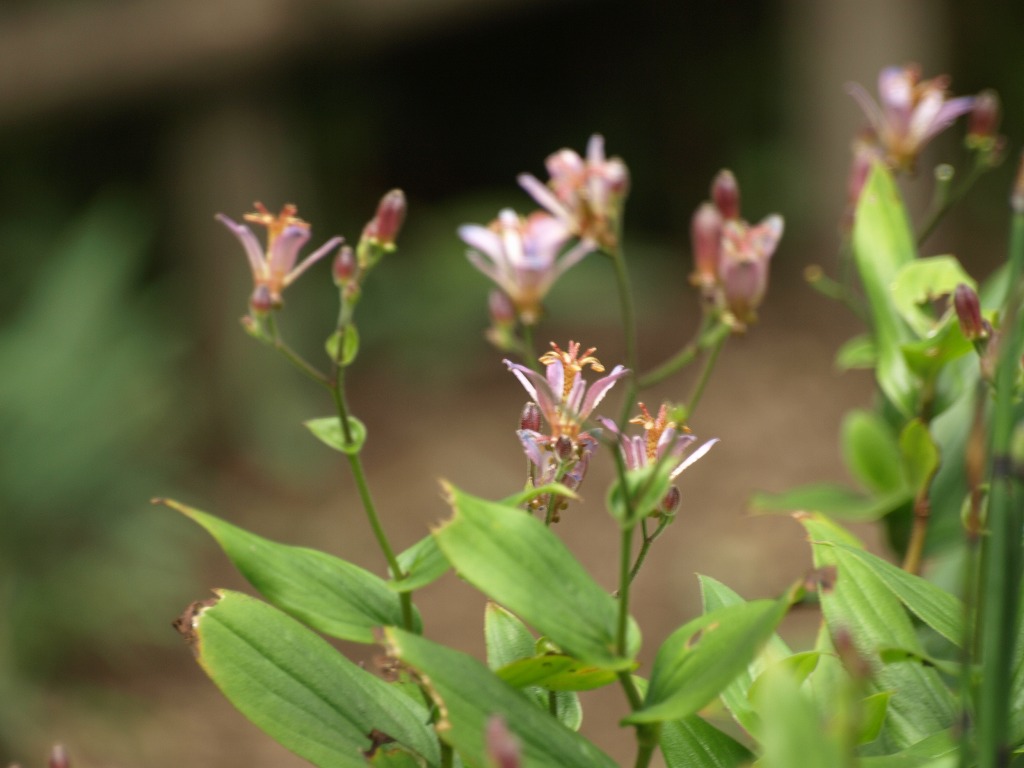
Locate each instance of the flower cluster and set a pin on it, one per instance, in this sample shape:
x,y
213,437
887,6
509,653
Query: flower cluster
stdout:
x,y
565,402
524,255
662,441
910,112
731,257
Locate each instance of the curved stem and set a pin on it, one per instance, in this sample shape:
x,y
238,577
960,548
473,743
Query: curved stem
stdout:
x,y
705,375
646,544
945,199
707,336
279,345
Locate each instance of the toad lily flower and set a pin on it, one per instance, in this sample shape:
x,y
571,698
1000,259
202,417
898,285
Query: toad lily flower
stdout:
x,y
662,440
912,112
565,402
521,255
585,193
274,269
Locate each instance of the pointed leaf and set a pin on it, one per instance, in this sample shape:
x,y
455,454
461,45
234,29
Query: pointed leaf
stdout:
x,y
468,694
423,564
860,604
922,281
557,672
518,499
297,688
858,352
871,452
328,431
514,559
833,500
329,594
882,244
703,656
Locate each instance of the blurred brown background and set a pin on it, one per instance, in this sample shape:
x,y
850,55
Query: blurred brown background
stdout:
x,y
125,125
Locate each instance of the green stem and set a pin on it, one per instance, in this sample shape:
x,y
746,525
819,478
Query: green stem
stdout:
x,y
279,345
705,375
625,557
1001,553
706,337
944,198
646,545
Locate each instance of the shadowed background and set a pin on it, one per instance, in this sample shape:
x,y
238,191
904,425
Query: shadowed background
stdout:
x,y
124,126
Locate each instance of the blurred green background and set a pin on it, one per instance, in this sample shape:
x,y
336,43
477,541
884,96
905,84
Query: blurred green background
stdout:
x,y
126,124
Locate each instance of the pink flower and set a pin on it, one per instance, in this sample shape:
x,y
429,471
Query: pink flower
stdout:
x,y
274,269
912,111
585,193
522,256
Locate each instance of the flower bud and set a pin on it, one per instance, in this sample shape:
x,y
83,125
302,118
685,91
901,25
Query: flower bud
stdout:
x,y
983,123
671,502
344,268
502,746
705,234
968,312
383,228
530,418
725,193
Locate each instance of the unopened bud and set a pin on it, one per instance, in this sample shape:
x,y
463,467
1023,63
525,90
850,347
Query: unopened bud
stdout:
x,y
725,193
383,228
968,312
564,447
706,236
502,746
671,502
344,268
261,301
984,120
530,418
59,757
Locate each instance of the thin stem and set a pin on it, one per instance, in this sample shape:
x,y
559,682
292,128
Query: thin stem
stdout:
x,y
627,312
707,336
705,375
646,545
1001,554
945,199
919,528
279,345
625,556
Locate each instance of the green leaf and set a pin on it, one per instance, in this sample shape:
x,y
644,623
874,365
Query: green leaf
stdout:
x,y
939,750
833,500
871,452
423,563
644,490
736,695
703,656
328,431
924,280
509,642
793,731
350,339
873,711
882,243
556,672
468,694
926,357
920,455
297,688
329,594
859,603
933,605
858,352
515,560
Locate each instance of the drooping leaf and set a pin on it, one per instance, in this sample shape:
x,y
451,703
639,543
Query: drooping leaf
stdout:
x,y
702,657
297,688
468,694
924,280
858,603
423,563
871,452
933,605
513,558
328,431
510,642
882,243
833,500
331,595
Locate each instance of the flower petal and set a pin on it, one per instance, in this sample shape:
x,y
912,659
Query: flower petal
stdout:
x,y
693,457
